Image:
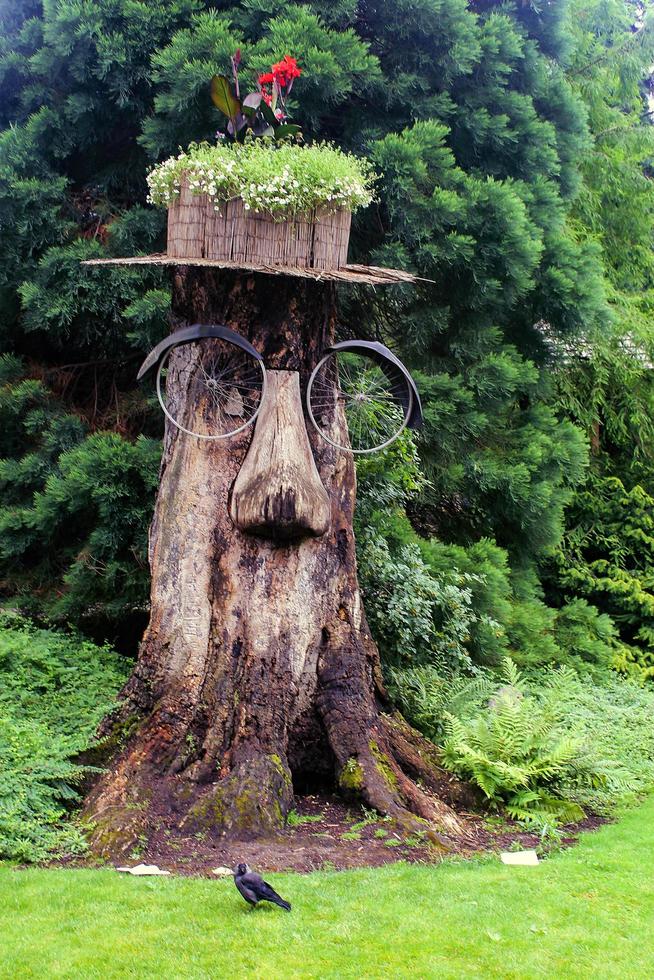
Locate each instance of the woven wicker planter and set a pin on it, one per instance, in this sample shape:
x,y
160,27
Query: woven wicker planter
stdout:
x,y
197,230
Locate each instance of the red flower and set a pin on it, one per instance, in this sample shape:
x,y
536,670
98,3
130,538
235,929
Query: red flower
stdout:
x,y
267,97
267,78
286,70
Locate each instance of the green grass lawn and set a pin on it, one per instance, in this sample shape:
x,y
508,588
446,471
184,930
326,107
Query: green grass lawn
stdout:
x,y
587,912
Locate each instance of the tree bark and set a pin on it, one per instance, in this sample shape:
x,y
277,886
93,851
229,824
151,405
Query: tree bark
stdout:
x,y
257,671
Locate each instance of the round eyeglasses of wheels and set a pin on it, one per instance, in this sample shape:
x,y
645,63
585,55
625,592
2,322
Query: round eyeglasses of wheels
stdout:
x,y
374,397
223,387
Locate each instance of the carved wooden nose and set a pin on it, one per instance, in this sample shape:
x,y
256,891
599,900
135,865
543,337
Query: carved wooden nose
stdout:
x,y
278,492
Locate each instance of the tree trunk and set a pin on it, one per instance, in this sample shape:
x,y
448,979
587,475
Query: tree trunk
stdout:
x,y
257,670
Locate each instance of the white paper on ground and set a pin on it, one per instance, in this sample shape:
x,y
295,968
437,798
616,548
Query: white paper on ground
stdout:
x,y
144,869
519,857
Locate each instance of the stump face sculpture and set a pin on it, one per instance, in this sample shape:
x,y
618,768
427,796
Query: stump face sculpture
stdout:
x,y
257,670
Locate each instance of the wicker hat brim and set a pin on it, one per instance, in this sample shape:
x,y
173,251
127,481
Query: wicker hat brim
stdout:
x,y
368,274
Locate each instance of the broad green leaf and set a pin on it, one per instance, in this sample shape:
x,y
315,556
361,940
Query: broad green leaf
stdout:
x,y
286,130
268,114
223,97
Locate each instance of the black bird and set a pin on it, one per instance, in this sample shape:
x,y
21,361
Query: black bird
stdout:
x,y
254,889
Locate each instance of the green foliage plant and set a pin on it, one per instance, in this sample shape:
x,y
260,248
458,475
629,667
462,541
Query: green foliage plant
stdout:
x,y
295,819
261,113
509,721
425,696
74,509
519,750
607,556
604,382
415,616
54,690
277,180
613,716
586,637
457,606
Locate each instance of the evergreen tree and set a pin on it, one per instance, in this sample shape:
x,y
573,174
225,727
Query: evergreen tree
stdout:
x,y
606,382
76,508
480,136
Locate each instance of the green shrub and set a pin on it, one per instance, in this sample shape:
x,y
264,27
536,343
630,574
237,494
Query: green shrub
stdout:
x,y
54,689
458,606
615,718
607,557
424,696
415,617
74,511
547,744
519,749
585,635
420,611
38,784
489,580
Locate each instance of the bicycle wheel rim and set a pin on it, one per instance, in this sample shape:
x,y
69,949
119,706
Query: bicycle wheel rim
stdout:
x,y
208,435
406,405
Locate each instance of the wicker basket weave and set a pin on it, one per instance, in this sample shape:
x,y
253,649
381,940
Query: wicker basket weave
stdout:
x,y
197,230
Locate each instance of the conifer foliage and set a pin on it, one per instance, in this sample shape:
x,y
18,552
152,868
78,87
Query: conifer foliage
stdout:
x,y
481,134
606,383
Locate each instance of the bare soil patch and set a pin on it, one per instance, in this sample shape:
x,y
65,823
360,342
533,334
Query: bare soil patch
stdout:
x,y
324,833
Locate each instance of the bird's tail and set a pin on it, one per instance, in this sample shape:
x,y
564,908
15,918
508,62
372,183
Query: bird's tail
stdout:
x,y
282,904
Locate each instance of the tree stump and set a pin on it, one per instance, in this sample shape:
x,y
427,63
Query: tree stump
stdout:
x,y
257,671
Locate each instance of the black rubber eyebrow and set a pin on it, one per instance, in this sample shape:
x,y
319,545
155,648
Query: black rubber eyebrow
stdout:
x,y
386,358
195,332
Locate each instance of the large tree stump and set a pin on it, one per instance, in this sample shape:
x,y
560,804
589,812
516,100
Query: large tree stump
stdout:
x,y
257,670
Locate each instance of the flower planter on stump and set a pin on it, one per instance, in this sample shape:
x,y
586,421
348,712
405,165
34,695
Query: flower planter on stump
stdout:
x,y
201,228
